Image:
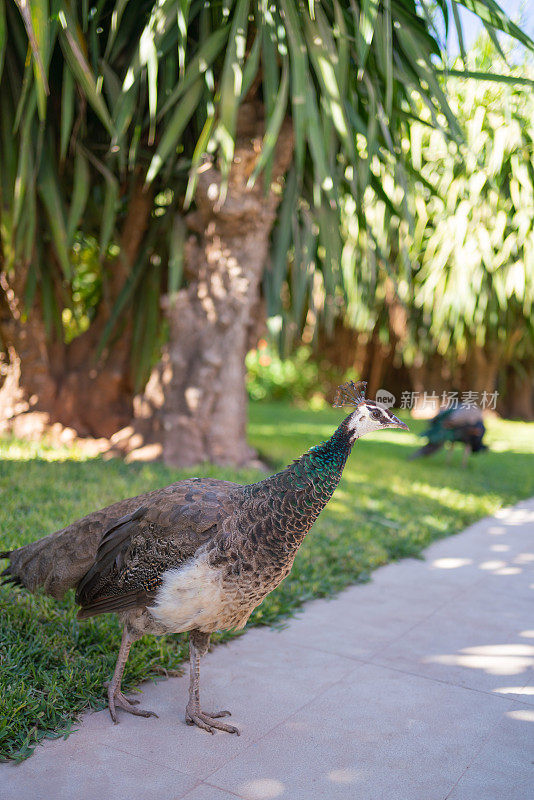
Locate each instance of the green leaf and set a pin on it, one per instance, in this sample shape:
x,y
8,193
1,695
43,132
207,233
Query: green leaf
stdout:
x,y
198,65
388,57
274,277
50,193
116,17
300,79
35,16
174,129
510,80
80,193
3,35
177,236
109,213
317,145
270,54
491,13
41,27
198,156
148,56
182,20
74,53
124,112
326,64
25,168
67,110
230,88
147,325
343,49
274,125
366,29
125,295
250,70
26,91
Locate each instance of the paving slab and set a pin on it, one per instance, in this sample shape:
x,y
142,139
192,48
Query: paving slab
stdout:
x,y
92,772
378,733
416,686
259,681
504,766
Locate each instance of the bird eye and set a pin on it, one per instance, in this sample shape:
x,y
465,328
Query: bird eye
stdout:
x,y
375,414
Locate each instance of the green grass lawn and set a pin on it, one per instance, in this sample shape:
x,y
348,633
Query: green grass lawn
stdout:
x,y
386,507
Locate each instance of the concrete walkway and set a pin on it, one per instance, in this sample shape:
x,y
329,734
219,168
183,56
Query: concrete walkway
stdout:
x,y
417,686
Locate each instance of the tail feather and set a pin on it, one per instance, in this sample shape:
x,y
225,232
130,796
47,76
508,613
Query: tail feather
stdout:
x,y
427,449
7,576
59,561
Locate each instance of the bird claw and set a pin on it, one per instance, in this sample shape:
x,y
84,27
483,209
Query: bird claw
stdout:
x,y
209,722
118,700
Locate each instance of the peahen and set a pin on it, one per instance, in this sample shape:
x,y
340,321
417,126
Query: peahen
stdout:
x,y
462,424
196,556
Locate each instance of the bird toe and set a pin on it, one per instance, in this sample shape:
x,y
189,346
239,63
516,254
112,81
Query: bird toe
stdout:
x,y
120,701
210,722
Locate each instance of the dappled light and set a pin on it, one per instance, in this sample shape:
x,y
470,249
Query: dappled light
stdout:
x,y
263,788
451,563
346,776
507,571
525,691
521,714
513,516
494,659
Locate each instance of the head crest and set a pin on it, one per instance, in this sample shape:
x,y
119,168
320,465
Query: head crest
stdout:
x,y
350,394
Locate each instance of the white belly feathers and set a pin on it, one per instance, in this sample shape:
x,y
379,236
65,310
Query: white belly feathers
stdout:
x,y
190,597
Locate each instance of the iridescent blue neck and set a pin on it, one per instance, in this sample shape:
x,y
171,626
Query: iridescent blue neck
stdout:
x,y
321,467
327,460
292,499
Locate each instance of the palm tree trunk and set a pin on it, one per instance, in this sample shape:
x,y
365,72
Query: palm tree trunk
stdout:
x,y
27,366
201,381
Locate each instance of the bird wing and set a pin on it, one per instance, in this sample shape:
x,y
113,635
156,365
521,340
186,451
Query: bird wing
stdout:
x,y
138,548
464,416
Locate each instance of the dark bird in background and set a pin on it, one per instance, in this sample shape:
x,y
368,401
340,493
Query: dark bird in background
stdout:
x,y
463,424
196,556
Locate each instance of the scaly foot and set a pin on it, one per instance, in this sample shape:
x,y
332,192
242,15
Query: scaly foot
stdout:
x,y
209,722
118,700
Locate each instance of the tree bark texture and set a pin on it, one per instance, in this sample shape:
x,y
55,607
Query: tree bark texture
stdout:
x,y
518,399
202,377
481,369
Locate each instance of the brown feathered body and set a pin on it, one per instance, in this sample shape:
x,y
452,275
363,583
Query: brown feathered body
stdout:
x,y
200,554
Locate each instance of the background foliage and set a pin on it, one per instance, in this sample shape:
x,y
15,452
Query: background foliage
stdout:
x,y
473,243
100,102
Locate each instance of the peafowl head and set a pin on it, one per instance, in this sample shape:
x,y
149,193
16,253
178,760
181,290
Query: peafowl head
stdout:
x,y
368,416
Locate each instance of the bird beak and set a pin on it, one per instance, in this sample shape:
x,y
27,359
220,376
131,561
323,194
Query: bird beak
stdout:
x,y
397,423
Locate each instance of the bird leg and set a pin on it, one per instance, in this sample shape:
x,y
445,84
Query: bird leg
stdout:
x,y
465,456
198,646
116,699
